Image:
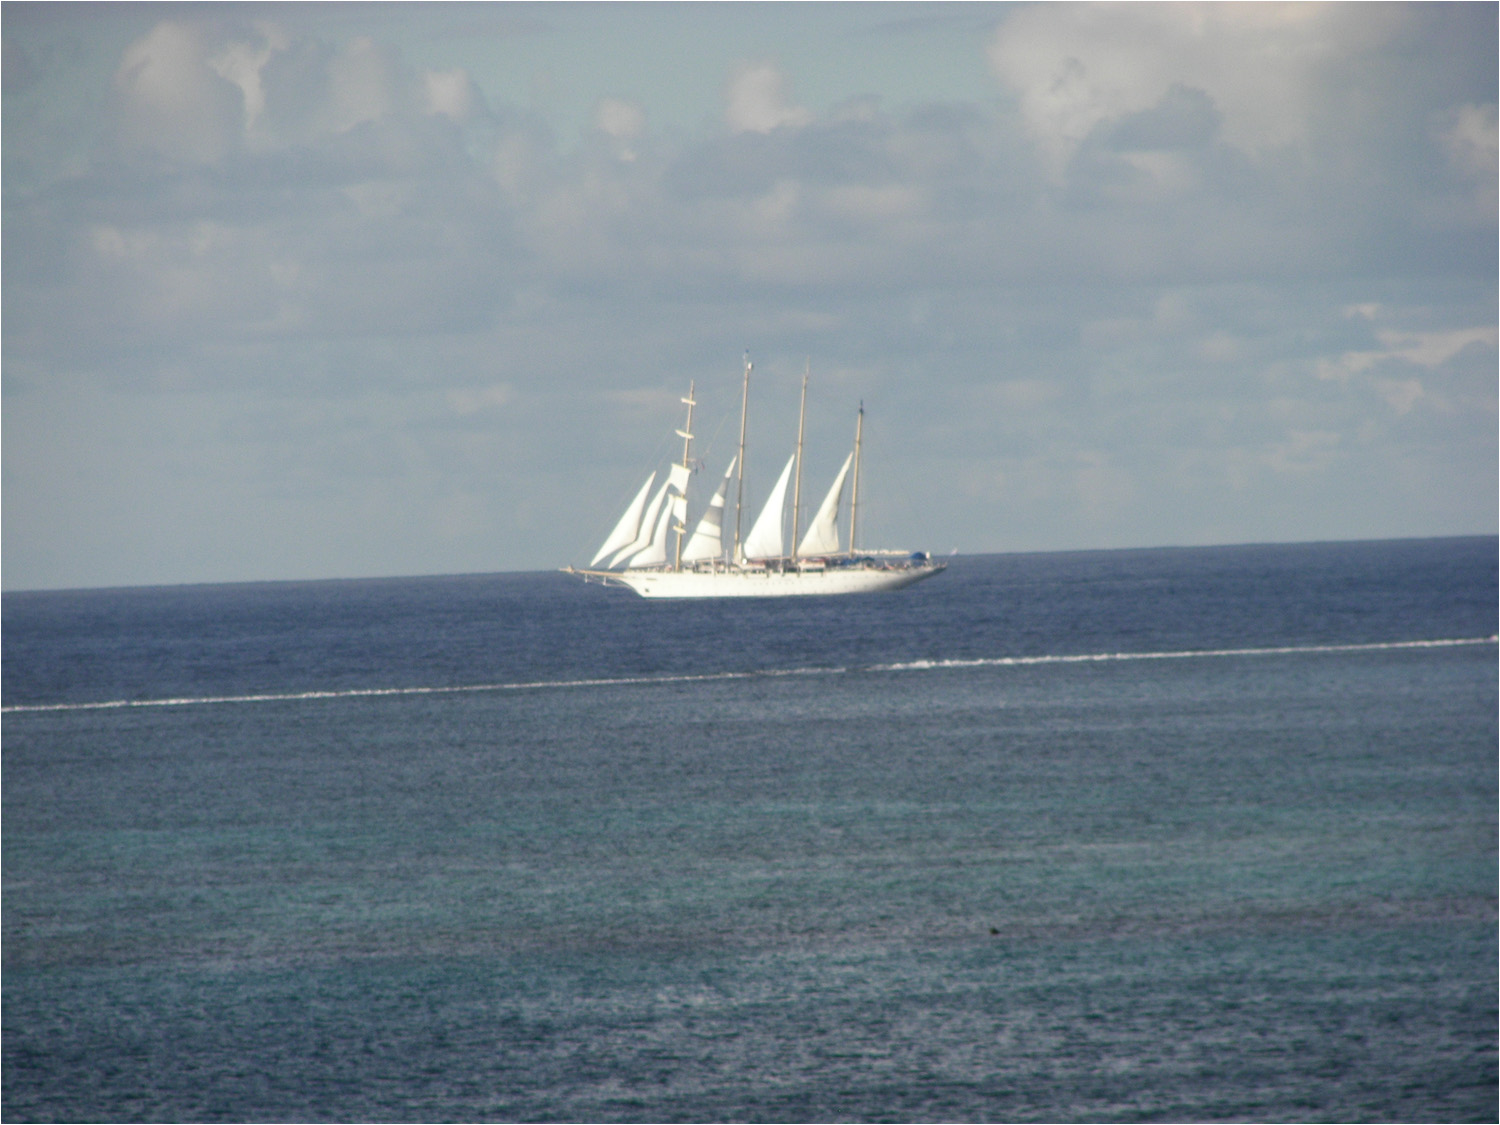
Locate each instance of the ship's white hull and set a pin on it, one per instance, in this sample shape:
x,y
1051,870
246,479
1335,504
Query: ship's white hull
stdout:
x,y
767,583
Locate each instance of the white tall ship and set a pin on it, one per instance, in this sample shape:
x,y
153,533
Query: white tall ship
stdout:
x,y
641,552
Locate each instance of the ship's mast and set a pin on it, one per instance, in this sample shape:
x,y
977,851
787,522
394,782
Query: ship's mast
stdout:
x,y
859,429
686,434
739,492
797,480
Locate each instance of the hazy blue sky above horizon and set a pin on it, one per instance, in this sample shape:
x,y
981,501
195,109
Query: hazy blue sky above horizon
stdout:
x,y
301,291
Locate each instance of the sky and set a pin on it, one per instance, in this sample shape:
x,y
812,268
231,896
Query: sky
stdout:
x,y
322,291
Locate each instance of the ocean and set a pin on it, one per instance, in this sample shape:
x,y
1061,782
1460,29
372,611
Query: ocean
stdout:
x,y
1191,834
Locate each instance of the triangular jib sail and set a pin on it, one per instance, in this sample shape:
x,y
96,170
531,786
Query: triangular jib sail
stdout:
x,y
822,536
630,523
647,528
655,552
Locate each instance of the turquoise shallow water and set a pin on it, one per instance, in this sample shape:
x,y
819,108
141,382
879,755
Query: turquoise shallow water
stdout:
x,y
894,859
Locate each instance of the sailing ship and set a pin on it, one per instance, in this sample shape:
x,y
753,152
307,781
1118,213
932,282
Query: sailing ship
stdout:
x,y
763,563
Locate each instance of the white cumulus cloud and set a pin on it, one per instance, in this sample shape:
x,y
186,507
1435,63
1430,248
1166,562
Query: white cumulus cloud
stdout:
x,y
1076,66
172,102
451,93
1469,139
623,122
759,100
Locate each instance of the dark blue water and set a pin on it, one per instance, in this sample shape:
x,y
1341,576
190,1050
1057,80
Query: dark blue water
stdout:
x,y
512,848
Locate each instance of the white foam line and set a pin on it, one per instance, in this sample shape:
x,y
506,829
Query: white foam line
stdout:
x,y
360,693
1104,657
614,681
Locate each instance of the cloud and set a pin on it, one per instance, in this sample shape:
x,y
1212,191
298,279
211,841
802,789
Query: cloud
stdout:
x,y
1184,118
1431,351
241,62
365,83
1259,66
342,144
623,122
172,103
1466,134
452,93
1303,452
1468,139
758,100
620,119
199,91
257,184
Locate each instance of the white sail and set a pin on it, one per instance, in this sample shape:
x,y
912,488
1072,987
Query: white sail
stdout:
x,y
765,538
648,526
630,523
655,553
822,536
706,542
677,485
